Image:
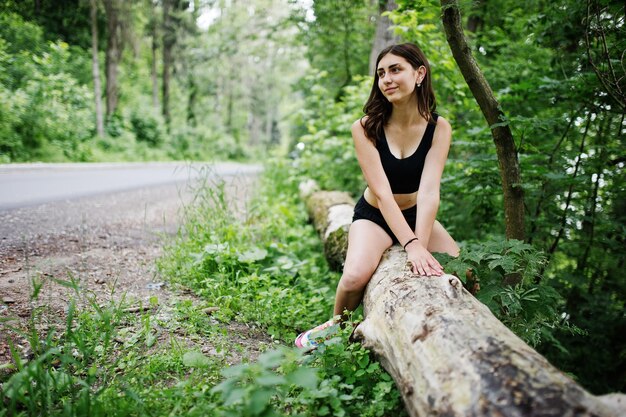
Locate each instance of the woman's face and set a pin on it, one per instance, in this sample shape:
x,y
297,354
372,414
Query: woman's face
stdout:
x,y
397,78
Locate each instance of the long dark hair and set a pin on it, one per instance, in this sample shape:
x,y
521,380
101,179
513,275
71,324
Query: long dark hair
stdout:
x,y
378,108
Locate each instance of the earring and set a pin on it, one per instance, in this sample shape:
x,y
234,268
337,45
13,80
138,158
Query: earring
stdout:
x,y
419,84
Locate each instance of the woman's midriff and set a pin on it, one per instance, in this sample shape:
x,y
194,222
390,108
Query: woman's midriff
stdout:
x,y
404,201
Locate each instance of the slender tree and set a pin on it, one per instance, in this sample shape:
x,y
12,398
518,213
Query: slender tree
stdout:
x,y
384,35
508,162
153,26
115,46
95,65
170,7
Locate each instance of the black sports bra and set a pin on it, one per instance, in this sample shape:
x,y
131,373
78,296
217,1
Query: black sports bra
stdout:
x,y
404,174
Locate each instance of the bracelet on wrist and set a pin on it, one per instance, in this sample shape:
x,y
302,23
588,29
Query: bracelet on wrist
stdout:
x,y
407,243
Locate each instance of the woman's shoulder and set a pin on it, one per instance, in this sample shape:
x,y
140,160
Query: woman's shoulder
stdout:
x,y
442,123
359,125
443,130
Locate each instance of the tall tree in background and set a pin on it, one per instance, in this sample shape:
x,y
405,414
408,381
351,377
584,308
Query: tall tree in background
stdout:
x,y
189,63
97,89
114,49
153,30
605,45
339,38
384,35
171,17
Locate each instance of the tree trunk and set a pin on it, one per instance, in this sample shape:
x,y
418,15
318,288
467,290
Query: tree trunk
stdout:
x,y
502,136
113,53
331,213
153,68
95,67
384,36
448,354
169,39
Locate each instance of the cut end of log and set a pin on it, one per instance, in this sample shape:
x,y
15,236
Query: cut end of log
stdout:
x,y
615,402
307,187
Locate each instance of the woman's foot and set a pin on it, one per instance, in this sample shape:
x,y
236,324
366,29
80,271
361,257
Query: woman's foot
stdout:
x,y
312,338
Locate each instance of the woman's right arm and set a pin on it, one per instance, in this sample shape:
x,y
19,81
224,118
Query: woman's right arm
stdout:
x,y
369,161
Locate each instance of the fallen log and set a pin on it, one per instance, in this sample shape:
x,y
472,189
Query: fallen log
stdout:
x,y
331,214
448,354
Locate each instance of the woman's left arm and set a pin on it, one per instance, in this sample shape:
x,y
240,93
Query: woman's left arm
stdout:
x,y
428,201
428,195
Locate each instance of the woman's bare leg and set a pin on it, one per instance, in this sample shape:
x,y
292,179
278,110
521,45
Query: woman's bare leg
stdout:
x,y
366,244
441,241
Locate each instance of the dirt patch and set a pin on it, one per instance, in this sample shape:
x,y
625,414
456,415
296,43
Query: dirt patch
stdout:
x,y
106,247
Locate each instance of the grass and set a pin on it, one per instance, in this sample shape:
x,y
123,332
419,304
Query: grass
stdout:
x,y
265,270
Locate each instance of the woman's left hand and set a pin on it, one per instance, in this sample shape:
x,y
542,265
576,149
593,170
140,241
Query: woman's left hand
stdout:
x,y
422,261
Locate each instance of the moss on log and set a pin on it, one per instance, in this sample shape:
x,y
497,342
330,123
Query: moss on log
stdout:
x,y
331,213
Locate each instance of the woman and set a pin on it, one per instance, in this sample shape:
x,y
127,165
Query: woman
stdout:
x,y
401,146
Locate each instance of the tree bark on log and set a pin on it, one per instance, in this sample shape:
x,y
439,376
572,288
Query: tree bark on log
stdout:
x,y
448,354
331,213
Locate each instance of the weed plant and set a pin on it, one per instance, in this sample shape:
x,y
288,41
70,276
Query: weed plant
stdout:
x,y
267,268
106,361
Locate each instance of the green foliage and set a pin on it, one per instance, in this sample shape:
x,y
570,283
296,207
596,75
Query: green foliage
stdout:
x,y
69,371
107,361
533,309
257,389
147,128
242,112
268,269
325,153
353,383
47,112
338,35
338,379
239,264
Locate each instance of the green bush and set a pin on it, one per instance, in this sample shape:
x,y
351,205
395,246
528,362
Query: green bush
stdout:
x,y
46,113
267,269
148,127
326,152
204,143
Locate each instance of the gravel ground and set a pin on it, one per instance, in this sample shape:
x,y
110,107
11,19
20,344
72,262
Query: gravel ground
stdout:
x,y
108,245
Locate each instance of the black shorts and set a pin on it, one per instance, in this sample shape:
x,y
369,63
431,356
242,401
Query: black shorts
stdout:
x,y
364,210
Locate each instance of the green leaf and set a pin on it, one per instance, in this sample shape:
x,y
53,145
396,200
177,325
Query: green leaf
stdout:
x,y
195,359
259,401
507,263
271,358
364,361
234,396
215,248
235,371
253,255
270,379
304,377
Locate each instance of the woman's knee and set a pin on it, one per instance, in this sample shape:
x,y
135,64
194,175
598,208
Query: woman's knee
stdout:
x,y
355,279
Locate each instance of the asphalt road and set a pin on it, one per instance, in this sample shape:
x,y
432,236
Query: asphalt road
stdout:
x,y
32,184
103,226
44,205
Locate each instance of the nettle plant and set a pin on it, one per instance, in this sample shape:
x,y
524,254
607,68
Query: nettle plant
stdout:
x,y
531,308
338,379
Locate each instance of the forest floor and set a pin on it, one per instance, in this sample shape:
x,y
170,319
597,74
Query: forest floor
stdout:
x,y
103,249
